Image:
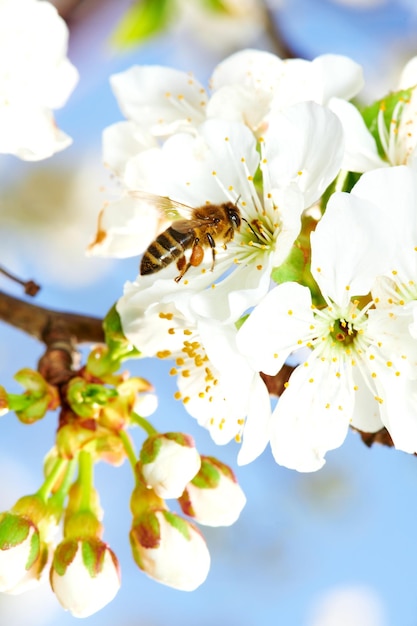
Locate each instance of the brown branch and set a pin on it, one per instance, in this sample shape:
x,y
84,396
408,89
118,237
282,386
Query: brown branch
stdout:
x,y
276,384
36,321
273,31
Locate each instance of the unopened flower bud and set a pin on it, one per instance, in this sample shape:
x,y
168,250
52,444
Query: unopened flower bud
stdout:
x,y
85,575
213,497
19,549
168,463
170,550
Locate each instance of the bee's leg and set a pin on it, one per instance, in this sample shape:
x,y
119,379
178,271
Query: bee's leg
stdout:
x,y
181,263
196,257
213,249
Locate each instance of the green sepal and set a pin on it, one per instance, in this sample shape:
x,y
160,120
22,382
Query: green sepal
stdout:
x,y
178,523
152,445
208,477
14,530
119,347
387,105
85,399
18,402
142,20
93,552
64,555
145,532
210,473
38,398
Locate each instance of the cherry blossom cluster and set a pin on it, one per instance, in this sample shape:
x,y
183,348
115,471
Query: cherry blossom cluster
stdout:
x,y
323,265
312,261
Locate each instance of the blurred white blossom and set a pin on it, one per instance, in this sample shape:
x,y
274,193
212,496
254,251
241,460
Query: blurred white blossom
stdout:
x,y
36,77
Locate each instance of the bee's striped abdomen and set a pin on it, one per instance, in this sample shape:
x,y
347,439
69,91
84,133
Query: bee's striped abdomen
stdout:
x,y
167,247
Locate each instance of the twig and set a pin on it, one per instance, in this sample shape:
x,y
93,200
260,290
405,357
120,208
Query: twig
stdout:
x,y
273,31
35,320
31,288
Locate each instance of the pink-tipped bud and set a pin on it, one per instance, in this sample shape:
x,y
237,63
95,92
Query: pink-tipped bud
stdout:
x,y
168,463
20,550
170,550
85,575
213,497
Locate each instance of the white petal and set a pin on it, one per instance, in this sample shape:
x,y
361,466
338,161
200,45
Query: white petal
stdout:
x,y
30,133
291,203
304,144
234,295
408,76
154,97
388,188
255,69
350,247
367,414
361,153
399,407
257,426
126,228
276,326
312,416
240,103
339,75
121,142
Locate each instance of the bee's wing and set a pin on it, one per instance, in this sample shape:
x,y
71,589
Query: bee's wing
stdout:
x,y
185,226
172,209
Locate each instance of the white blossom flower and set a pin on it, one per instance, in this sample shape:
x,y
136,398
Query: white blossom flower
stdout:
x,y
35,78
216,384
349,376
395,299
84,576
168,462
170,550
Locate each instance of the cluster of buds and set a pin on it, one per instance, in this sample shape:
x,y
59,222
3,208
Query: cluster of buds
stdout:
x,y
58,530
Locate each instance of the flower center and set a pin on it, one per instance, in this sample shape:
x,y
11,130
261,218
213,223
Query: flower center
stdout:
x,y
344,332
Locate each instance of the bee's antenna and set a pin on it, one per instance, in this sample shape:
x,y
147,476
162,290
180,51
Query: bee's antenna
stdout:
x,y
245,220
252,229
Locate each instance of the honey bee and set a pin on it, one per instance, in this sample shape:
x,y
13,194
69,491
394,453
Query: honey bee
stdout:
x,y
207,225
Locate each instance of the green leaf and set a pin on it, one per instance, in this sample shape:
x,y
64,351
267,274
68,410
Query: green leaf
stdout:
x,y
217,6
142,20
